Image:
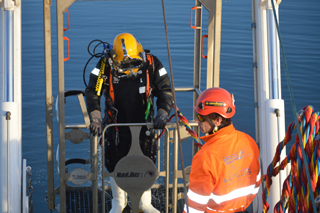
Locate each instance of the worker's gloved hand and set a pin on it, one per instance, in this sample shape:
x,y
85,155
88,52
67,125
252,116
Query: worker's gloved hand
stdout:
x,y
95,122
161,120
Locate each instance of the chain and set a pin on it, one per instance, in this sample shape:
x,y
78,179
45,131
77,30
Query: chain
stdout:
x,y
30,189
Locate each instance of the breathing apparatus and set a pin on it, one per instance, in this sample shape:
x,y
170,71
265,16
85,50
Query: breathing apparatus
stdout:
x,y
105,53
125,58
108,54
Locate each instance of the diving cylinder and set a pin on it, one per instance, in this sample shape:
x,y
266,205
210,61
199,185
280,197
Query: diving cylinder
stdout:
x,y
145,203
119,197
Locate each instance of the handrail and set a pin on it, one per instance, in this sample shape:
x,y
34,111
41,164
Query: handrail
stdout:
x,y
203,56
192,26
175,173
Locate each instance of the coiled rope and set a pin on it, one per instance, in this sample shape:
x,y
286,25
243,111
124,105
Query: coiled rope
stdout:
x,y
296,194
293,103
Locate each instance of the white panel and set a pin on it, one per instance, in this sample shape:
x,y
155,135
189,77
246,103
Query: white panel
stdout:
x,y
10,159
275,133
3,164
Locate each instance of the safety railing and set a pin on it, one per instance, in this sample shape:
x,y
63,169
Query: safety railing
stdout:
x,y
166,168
136,173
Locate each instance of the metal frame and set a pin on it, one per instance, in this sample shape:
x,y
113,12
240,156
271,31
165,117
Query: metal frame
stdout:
x,y
214,8
213,70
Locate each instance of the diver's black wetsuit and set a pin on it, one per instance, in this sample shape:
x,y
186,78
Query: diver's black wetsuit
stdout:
x,y
130,102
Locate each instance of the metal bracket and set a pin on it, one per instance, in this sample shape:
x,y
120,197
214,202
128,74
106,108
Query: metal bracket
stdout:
x,y
8,115
263,3
184,135
254,64
8,5
276,3
76,136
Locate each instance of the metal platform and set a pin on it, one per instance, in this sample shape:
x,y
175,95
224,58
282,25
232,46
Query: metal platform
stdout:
x,y
79,200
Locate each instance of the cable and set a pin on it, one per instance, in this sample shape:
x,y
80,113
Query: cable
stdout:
x,y
175,105
106,45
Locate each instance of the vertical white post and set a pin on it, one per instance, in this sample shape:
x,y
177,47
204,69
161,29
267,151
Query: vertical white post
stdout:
x,y
10,119
271,123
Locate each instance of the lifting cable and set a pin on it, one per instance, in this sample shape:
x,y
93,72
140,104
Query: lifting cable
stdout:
x,y
175,106
293,104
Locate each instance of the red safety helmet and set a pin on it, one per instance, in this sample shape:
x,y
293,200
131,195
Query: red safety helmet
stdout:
x,y
215,100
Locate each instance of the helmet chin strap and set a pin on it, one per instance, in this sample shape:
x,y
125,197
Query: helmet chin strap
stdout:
x,y
214,128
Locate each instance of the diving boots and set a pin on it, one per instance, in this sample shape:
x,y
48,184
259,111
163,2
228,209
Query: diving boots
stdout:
x,y
119,197
145,203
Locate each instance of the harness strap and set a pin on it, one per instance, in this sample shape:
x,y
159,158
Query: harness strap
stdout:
x,y
111,92
111,117
151,62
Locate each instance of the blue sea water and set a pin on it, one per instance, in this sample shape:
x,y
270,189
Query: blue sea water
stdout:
x,y
299,27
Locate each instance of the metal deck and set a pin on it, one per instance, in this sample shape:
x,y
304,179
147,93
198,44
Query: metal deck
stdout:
x,y
79,200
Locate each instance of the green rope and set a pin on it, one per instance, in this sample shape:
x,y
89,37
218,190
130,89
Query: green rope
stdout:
x,y
148,109
294,107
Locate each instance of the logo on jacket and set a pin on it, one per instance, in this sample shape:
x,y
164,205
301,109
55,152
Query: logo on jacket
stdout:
x,y
239,174
233,157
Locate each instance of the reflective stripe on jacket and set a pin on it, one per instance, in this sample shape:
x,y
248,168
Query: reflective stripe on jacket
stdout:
x,y
225,173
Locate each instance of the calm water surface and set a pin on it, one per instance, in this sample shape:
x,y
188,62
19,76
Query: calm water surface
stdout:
x,y
299,26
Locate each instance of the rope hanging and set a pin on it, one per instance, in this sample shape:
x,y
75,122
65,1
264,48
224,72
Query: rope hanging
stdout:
x,y
175,101
185,122
296,193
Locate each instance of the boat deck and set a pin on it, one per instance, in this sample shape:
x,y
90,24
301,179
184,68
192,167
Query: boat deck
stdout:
x,y
79,200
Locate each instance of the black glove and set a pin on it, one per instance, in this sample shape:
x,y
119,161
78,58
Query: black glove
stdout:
x,y
161,120
95,122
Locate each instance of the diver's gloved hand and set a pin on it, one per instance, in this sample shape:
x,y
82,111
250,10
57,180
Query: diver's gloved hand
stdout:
x,y
95,122
161,120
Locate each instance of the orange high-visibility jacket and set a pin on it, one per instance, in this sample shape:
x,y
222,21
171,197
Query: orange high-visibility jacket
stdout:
x,y
225,173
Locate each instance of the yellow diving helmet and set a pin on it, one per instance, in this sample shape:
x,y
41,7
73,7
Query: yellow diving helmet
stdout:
x,y
130,56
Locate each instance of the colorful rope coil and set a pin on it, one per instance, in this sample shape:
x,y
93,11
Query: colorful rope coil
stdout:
x,y
185,122
295,192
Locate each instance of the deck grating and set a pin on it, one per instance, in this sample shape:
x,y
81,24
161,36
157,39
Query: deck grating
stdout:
x,y
80,200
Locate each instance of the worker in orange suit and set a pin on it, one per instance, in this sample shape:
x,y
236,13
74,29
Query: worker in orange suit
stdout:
x,y
225,172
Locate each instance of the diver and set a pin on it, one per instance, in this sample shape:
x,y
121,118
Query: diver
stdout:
x,y
129,77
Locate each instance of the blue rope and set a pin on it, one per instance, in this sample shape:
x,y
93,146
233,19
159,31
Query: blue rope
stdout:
x,y
294,108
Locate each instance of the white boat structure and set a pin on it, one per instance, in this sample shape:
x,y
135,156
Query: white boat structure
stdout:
x,y
269,112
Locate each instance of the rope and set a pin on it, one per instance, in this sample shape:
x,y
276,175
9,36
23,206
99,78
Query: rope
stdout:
x,y
185,122
292,99
296,193
175,106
